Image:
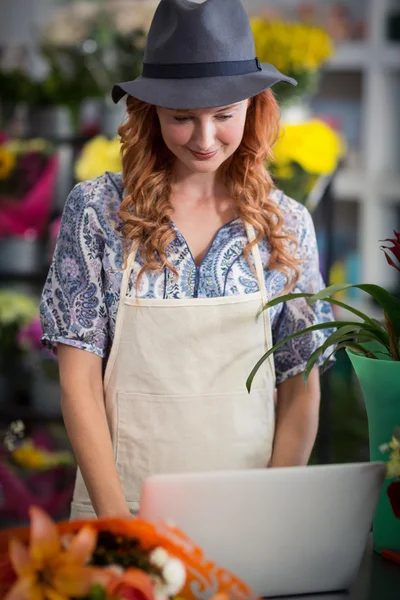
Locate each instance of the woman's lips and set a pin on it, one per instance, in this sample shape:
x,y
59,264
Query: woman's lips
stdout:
x,y
203,155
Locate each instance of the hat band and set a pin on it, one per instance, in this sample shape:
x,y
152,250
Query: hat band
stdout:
x,y
198,70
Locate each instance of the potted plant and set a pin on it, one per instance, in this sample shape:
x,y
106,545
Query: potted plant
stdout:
x,y
373,347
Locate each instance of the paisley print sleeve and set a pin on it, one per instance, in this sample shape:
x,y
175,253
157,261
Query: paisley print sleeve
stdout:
x,y
297,315
72,307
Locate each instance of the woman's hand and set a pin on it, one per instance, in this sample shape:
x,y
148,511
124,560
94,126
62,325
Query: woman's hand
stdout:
x,y
82,403
296,427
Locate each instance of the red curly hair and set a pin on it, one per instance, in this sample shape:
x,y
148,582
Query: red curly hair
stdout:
x,y
147,175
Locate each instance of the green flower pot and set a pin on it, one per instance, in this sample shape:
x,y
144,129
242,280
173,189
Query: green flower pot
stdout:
x,y
380,384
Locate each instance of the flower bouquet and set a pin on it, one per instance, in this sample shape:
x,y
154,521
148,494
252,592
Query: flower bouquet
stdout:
x,y
28,170
16,311
393,489
109,559
33,470
304,153
296,49
393,471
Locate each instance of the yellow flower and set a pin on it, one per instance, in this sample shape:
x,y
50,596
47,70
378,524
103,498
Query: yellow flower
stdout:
x,y
284,171
45,570
291,46
15,307
7,162
394,444
98,156
27,455
393,467
314,145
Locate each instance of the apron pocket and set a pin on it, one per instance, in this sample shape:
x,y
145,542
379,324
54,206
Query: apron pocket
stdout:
x,y
177,434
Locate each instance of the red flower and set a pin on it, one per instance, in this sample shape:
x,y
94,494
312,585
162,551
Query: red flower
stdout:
x,y
393,491
395,250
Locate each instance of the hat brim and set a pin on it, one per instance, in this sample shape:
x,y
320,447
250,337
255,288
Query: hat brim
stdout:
x,y
208,92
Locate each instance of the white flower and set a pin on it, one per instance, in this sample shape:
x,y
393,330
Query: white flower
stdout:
x,y
159,557
116,569
159,588
174,574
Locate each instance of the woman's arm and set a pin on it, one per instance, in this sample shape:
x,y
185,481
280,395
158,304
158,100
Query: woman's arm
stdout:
x,y
82,403
297,420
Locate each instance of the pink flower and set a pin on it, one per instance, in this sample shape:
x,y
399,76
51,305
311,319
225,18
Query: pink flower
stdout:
x,y
55,228
30,335
133,584
395,250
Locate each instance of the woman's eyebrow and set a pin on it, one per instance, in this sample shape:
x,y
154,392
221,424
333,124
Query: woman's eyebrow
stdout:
x,y
225,108
217,110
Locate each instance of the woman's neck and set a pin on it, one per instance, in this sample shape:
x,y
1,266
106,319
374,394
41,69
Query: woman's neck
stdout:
x,y
197,187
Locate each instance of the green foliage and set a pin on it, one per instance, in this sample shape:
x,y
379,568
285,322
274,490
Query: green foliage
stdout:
x,y
350,334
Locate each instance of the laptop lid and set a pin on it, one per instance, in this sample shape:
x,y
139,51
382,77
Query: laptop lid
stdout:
x,y
293,530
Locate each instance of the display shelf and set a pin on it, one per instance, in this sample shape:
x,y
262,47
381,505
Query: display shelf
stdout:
x,y
352,184
349,56
375,184
349,184
391,55
360,55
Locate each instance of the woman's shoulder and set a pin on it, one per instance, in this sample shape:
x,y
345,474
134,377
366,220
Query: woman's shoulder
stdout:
x,y
296,217
97,200
100,190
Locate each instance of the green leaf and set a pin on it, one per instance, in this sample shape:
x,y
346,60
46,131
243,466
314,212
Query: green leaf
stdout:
x,y
98,592
311,297
285,298
354,311
324,294
389,303
328,325
353,346
343,334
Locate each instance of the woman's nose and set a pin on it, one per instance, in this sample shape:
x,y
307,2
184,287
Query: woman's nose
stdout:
x,y
204,136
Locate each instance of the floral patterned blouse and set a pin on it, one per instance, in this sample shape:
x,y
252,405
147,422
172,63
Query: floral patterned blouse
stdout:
x,y
80,298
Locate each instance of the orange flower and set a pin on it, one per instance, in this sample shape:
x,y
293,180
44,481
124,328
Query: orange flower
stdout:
x,y
133,584
45,570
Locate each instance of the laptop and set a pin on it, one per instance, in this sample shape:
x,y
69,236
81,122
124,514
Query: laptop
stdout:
x,y
284,531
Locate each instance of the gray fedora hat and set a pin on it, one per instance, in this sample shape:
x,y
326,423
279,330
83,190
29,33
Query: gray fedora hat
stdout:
x,y
200,55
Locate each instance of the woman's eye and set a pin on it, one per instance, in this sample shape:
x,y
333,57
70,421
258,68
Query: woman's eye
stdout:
x,y
224,117
182,119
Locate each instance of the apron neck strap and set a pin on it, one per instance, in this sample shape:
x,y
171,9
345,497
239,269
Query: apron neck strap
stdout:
x,y
251,234
128,270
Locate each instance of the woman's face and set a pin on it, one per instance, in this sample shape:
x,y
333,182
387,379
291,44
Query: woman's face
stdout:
x,y
202,139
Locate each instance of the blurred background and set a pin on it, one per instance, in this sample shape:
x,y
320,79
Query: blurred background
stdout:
x,y
340,156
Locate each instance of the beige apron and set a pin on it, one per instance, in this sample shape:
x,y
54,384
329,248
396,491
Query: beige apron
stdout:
x,y
175,393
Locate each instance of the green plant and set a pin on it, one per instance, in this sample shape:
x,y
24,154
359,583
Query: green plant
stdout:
x,y
350,334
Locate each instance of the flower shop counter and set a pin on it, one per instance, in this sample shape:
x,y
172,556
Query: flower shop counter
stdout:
x,y
378,579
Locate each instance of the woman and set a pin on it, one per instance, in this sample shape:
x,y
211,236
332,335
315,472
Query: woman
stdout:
x,y
159,274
